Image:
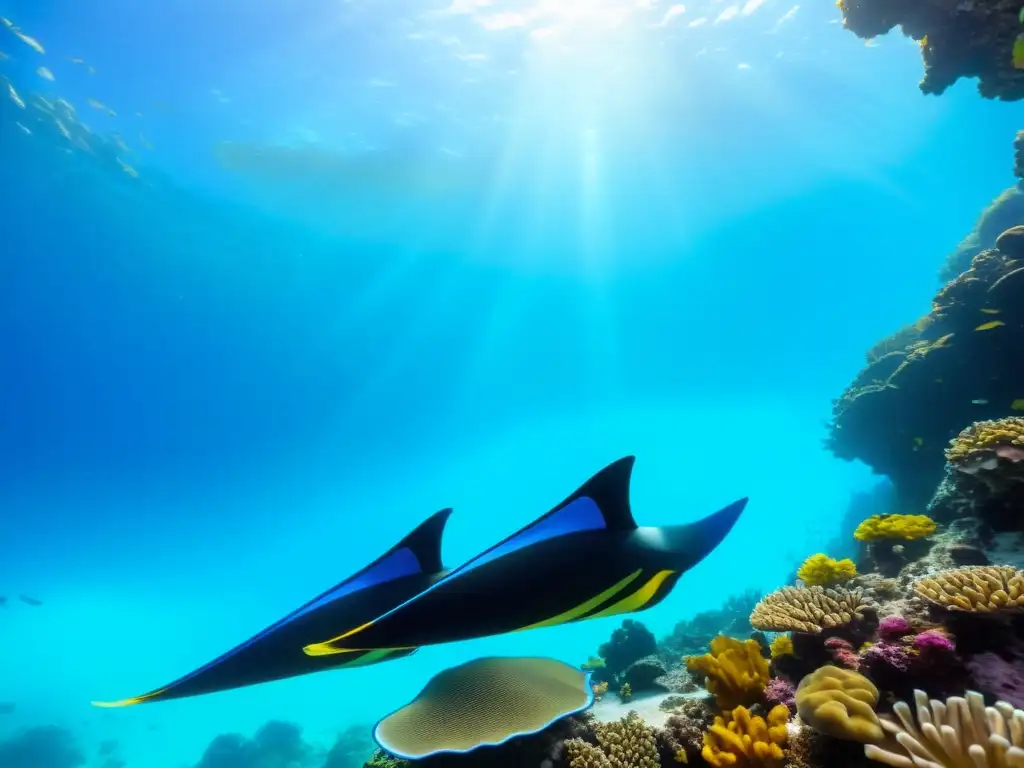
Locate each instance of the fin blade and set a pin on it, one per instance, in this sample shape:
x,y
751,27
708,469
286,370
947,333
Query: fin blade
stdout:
x,y
602,502
702,537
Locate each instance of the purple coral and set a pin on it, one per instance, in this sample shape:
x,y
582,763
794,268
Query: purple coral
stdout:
x,y
934,642
886,655
892,628
779,691
1001,678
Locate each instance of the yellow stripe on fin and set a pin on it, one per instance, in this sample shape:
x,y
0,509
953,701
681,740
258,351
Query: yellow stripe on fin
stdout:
x,y
582,608
127,702
638,599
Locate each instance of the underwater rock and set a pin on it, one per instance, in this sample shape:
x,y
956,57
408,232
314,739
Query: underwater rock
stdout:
x,y
1011,242
41,747
629,643
677,680
999,677
643,674
957,39
276,744
1003,213
692,636
351,748
965,367
684,730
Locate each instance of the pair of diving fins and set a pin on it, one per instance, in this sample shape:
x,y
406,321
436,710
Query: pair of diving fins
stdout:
x,y
585,559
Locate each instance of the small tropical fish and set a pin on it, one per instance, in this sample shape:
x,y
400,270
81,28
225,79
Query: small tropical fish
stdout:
x,y
14,96
97,104
26,130
990,325
989,311
127,168
7,22
1017,405
76,60
979,401
918,441
30,600
120,143
63,129
31,42
1018,52
44,73
67,105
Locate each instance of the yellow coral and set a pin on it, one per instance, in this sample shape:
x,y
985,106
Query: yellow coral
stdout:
x,y
986,436
736,671
975,589
746,741
782,646
820,570
895,527
839,703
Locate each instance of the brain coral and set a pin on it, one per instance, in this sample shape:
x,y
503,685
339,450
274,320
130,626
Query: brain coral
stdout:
x,y
807,609
839,703
975,589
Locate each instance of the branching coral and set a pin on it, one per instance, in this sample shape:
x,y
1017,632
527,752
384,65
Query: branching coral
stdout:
x,y
977,589
626,743
747,742
904,527
807,609
839,703
956,733
736,671
820,570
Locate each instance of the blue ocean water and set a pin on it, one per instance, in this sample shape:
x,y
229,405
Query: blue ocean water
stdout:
x,y
357,261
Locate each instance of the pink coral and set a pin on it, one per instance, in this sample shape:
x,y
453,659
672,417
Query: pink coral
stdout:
x,y
933,641
892,628
779,691
842,652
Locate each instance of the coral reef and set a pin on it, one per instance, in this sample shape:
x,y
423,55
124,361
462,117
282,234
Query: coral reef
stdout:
x,y
41,747
691,637
627,743
839,703
901,411
958,732
978,589
807,609
1003,213
1000,677
820,570
735,669
900,527
957,39
744,740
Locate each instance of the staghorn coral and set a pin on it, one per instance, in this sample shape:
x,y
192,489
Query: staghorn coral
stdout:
x,y
956,733
904,527
736,671
957,39
839,703
807,609
975,589
744,741
820,570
